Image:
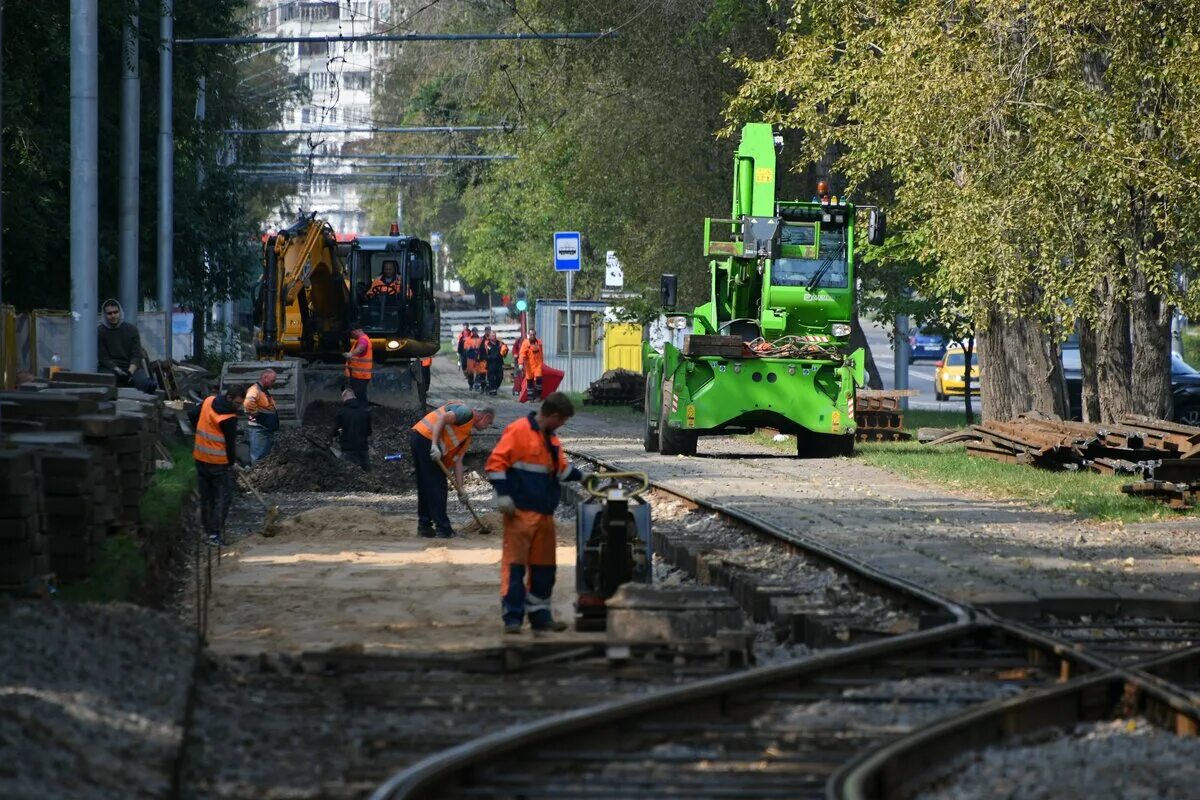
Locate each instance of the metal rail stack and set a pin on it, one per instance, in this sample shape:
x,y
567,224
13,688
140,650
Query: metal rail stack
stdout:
x,y
880,415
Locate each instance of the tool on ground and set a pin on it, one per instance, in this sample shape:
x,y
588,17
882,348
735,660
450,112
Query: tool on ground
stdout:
x,y
394,457
272,511
325,447
612,525
462,498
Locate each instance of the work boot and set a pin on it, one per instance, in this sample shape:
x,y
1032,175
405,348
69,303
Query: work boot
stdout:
x,y
445,534
554,626
513,627
215,540
426,533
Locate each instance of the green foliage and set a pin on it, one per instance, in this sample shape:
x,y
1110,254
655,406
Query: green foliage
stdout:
x,y
1026,150
118,574
216,219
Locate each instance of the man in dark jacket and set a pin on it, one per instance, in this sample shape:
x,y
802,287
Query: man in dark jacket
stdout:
x,y
215,424
119,348
353,427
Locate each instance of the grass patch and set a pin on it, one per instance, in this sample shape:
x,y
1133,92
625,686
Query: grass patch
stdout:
x,y
1189,345
915,418
119,572
1084,493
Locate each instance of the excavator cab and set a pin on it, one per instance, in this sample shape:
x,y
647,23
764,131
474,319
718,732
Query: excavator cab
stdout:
x,y
392,280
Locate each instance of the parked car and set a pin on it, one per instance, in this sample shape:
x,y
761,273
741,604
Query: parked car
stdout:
x,y
949,378
1185,386
924,345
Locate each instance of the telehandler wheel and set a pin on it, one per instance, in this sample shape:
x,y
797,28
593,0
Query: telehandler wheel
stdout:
x,y
649,434
824,445
674,442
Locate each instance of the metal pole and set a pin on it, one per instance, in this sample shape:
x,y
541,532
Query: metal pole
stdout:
x,y
2,151
131,102
901,351
85,156
166,172
201,313
570,338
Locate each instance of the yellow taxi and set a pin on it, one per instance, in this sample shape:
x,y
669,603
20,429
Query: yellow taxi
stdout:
x,y
949,375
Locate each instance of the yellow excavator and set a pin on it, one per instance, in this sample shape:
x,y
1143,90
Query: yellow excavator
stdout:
x,y
315,288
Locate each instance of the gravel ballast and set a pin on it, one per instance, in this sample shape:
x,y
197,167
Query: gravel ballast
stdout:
x,y
1120,760
92,699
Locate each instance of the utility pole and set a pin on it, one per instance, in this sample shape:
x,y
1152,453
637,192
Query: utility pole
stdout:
x,y
2,151
166,171
85,155
901,350
128,209
200,315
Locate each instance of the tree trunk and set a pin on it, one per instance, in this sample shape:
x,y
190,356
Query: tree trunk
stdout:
x,y
1023,368
1114,354
859,339
1089,392
968,352
1151,327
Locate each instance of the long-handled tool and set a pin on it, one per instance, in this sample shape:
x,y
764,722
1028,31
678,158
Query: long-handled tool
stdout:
x,y
462,497
272,511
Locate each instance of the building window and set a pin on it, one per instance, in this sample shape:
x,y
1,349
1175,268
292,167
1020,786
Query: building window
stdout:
x,y
306,114
357,80
318,81
582,330
315,12
312,49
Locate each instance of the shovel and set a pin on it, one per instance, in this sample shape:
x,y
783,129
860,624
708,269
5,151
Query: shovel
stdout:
x,y
272,511
462,497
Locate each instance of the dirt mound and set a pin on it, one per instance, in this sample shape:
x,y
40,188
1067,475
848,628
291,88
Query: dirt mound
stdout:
x,y
341,522
299,462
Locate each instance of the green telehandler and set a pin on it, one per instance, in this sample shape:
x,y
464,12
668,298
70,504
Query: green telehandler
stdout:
x,y
771,347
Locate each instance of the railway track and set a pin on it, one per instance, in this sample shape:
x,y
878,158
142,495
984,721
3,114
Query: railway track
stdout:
x,y
836,724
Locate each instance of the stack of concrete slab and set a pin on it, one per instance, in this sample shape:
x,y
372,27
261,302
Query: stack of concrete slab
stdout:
x,y
92,451
23,553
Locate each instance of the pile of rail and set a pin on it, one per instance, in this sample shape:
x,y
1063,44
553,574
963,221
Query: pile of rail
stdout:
x,y
879,415
1165,454
76,455
617,387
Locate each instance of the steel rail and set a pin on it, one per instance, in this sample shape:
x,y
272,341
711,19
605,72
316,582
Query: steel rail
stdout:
x,y
711,694
821,551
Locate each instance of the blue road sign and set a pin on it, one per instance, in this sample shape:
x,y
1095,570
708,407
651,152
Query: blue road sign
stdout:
x,y
566,251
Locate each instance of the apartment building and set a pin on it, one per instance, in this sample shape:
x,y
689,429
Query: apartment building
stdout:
x,y
339,78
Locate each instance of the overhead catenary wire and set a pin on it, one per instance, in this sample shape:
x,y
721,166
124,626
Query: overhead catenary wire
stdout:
x,y
393,37
407,156
371,129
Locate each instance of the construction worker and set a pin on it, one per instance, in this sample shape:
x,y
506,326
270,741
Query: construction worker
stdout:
x,y
461,347
388,283
531,358
262,418
481,364
359,362
471,345
426,366
353,429
443,434
494,352
518,371
526,468
215,423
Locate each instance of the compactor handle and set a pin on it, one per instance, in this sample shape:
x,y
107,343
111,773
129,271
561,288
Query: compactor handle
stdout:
x,y
589,483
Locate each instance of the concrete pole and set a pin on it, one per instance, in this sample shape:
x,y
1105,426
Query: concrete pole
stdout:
x,y
901,351
166,171
1,152
131,104
85,156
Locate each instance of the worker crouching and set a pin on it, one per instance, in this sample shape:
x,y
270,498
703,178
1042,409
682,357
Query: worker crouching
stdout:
x,y
353,429
526,469
439,441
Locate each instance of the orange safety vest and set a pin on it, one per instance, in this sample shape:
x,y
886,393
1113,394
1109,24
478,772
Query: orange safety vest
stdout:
x,y
455,438
360,366
427,361
380,286
209,445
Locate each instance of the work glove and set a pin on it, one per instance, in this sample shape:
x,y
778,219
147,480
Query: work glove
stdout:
x,y
505,504
435,450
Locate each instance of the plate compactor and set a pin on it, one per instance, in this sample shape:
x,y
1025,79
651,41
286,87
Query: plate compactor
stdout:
x,y
612,526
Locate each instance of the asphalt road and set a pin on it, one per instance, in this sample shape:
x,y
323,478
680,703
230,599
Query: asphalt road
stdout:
x,y
920,373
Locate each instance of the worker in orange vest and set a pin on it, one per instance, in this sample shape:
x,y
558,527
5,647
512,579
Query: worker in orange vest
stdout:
x,y
481,363
443,434
531,358
359,362
388,282
526,469
471,347
215,424
426,364
460,347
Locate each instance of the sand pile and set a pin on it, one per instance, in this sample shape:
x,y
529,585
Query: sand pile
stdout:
x,y
299,462
341,522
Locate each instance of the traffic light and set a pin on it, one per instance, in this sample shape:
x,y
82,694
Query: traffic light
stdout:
x,y
522,299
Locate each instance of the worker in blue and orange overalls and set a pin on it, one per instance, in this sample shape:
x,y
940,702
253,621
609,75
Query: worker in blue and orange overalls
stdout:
x,y
471,347
215,424
526,468
444,434
359,362
494,352
481,364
